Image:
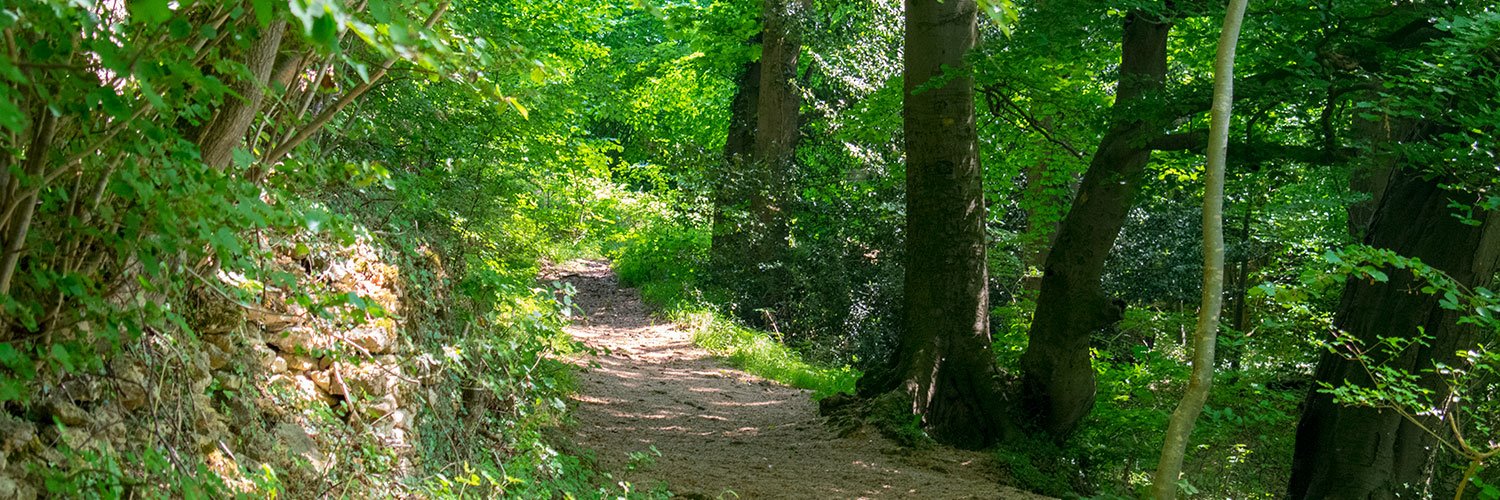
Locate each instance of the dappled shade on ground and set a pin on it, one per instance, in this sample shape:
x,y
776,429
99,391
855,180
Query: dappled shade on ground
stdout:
x,y
722,430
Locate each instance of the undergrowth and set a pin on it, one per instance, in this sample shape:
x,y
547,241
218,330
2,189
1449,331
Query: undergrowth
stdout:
x,y
666,261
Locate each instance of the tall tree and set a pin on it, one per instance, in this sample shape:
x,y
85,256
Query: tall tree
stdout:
x,y
731,187
752,248
1425,155
1356,452
776,125
945,362
1058,379
1180,426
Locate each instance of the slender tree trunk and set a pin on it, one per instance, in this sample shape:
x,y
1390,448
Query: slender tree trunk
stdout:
x,y
1180,426
1239,291
19,224
945,360
1057,377
260,170
1348,452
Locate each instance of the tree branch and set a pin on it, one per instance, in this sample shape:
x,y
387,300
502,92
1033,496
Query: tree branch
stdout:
x,y
327,115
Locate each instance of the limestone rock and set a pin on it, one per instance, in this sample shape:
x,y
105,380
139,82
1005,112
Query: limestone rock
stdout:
x,y
271,321
372,378
14,434
130,385
224,341
382,407
278,365
10,488
300,363
218,358
66,412
375,339
297,339
82,388
324,380
299,443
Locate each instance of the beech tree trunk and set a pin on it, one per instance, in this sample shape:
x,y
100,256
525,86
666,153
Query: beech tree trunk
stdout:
x,y
1373,169
1185,416
731,188
1057,377
945,362
776,130
751,230
1347,452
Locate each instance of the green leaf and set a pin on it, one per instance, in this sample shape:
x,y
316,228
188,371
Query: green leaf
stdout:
x,y
519,108
63,357
151,12
242,158
380,10
263,12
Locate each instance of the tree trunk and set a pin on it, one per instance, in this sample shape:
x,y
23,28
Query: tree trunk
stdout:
x,y
1041,224
1057,378
227,130
1372,170
731,189
1239,291
944,358
751,230
1185,416
1348,452
776,134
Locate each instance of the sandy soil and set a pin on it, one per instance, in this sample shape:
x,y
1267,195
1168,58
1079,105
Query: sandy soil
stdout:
x,y
723,433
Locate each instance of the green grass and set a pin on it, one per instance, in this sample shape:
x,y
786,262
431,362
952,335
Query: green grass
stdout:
x,y
664,263
758,352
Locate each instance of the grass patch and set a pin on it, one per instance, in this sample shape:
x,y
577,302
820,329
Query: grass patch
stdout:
x,y
664,263
760,353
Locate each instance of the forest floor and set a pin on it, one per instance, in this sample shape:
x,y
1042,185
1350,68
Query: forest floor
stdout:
x,y
724,433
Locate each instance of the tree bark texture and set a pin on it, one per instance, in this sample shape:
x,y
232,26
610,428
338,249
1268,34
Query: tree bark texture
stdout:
x,y
227,130
1373,169
1057,377
751,227
776,131
944,359
1347,452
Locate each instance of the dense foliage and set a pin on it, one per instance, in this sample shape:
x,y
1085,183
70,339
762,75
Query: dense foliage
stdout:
x,y
179,176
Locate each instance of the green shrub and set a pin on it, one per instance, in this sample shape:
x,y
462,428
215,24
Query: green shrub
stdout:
x,y
665,262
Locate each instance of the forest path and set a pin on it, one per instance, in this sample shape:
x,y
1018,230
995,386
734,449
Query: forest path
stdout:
x,y
722,432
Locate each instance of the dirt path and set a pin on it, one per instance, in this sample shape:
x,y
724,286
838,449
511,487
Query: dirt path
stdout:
x,y
721,430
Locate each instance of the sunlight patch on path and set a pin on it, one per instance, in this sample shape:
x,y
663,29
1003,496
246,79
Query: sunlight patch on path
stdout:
x,y
722,430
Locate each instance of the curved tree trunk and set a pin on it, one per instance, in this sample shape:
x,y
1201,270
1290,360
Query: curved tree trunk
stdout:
x,y
1184,418
945,362
1057,377
1347,452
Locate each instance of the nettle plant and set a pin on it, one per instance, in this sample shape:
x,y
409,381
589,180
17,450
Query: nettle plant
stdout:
x,y
1452,399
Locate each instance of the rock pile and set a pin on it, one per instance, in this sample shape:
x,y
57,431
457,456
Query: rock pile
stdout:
x,y
293,382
